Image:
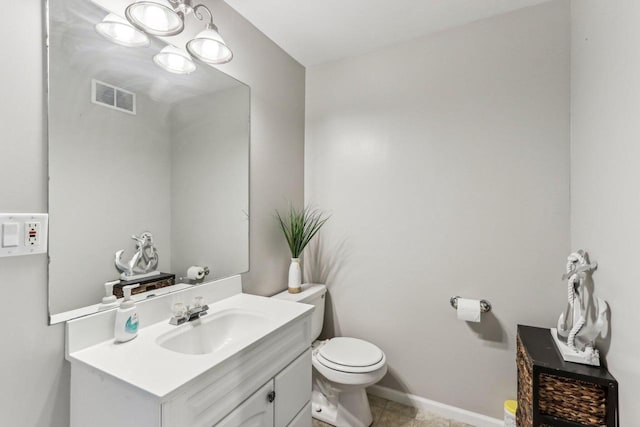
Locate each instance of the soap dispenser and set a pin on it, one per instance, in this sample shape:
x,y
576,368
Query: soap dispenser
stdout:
x,y
109,300
126,326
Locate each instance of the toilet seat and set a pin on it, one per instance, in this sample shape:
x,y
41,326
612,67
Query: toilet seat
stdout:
x,y
350,355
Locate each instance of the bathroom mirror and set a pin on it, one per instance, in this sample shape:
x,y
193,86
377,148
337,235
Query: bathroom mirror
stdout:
x,y
135,148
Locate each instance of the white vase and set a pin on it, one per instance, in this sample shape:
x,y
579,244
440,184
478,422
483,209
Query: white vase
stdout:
x,y
295,276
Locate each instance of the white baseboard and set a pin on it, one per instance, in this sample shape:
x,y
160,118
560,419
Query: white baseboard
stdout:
x,y
447,411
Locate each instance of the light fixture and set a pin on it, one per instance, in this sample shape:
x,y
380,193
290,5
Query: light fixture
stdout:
x,y
209,46
166,18
158,17
174,60
117,30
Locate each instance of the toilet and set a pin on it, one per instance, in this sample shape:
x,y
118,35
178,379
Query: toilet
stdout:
x,y
343,368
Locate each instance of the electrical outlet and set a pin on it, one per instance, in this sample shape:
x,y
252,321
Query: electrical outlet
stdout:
x,y
31,234
23,234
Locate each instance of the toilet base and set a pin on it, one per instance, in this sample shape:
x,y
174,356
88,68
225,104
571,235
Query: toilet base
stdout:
x,y
341,408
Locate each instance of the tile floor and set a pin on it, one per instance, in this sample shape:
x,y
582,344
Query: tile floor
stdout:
x,y
392,414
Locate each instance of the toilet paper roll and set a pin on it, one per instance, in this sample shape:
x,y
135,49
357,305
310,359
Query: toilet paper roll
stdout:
x,y
469,310
195,272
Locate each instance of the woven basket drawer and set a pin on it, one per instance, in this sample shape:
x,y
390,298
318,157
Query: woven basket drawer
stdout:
x,y
573,400
524,416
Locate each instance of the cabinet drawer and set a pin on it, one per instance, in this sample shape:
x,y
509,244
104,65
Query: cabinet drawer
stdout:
x,y
293,389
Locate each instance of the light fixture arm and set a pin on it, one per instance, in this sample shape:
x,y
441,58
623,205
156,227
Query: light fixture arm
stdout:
x,y
183,6
198,14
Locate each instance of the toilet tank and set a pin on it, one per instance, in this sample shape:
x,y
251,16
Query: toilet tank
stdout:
x,y
313,294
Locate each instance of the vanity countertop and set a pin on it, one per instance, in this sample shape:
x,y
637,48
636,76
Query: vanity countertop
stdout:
x,y
145,364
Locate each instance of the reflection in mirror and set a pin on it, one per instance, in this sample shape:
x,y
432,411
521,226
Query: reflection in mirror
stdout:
x,y
136,149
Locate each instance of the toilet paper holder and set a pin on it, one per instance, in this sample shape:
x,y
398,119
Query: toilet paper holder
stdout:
x,y
485,306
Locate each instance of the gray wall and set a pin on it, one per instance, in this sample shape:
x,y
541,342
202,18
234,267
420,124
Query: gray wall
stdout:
x,y
34,390
445,164
277,143
605,172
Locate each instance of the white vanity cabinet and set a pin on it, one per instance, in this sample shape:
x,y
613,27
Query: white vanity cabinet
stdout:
x,y
282,402
276,403
292,386
264,381
256,411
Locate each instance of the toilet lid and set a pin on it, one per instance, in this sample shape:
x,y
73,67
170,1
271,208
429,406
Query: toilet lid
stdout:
x,y
351,352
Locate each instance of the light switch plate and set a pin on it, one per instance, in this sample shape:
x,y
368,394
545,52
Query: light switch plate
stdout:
x,y
10,236
15,231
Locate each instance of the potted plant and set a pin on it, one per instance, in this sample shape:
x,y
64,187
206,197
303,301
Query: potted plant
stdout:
x,y
299,227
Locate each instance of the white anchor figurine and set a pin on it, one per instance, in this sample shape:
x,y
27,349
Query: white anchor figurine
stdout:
x,y
144,261
578,328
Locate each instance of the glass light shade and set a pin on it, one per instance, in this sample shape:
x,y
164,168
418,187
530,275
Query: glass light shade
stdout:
x,y
174,60
119,31
155,17
208,46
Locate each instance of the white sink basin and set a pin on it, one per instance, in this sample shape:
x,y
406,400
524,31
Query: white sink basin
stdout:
x,y
214,332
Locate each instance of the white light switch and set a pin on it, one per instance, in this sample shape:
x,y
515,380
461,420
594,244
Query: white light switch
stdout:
x,y
23,234
10,234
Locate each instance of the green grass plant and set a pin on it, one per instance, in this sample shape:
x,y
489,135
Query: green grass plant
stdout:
x,y
300,226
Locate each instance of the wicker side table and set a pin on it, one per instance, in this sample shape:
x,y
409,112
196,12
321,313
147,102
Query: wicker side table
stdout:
x,y
552,392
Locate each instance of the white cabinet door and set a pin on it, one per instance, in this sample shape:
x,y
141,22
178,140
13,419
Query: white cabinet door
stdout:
x,y
256,411
303,419
293,388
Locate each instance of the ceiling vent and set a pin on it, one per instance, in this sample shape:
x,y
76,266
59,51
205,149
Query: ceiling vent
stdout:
x,y
113,97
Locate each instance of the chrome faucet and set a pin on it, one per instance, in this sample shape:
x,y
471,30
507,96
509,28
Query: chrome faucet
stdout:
x,y
182,313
